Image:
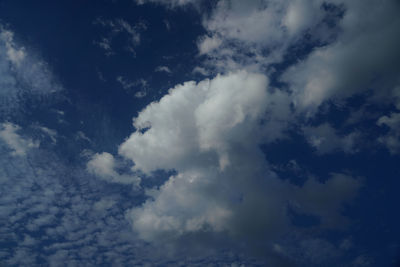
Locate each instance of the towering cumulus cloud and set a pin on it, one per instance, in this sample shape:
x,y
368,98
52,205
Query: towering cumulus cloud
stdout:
x,y
210,133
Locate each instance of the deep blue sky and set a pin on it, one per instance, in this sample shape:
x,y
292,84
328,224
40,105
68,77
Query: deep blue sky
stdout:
x,y
183,132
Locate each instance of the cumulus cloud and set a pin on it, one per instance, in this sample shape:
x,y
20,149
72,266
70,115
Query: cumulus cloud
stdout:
x,y
201,115
366,48
257,33
353,53
18,144
209,133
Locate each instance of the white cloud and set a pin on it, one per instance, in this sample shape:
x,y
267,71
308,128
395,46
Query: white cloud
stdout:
x,y
239,33
140,94
103,165
163,69
203,115
209,133
300,15
207,44
200,70
15,142
14,54
366,47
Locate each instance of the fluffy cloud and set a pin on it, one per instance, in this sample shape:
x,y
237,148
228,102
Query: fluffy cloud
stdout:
x,y
210,133
198,120
257,33
207,44
352,52
18,144
103,165
365,50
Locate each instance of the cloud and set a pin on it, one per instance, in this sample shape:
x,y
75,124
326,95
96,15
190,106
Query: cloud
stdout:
x,y
366,48
221,192
163,69
326,199
103,165
52,134
120,26
14,54
14,141
49,217
200,70
207,44
202,114
51,209
258,33
105,44
209,133
325,139
392,138
23,75
127,85
82,136
168,3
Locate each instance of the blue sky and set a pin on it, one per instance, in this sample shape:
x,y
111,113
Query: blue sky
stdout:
x,y
199,133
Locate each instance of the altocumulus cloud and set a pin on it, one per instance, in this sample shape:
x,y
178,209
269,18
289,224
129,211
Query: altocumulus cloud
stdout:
x,y
49,214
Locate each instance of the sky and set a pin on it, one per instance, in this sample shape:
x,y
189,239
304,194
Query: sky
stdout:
x,y
199,133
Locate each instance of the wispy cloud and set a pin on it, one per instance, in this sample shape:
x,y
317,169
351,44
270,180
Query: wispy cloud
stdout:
x,y
120,26
163,69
